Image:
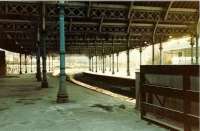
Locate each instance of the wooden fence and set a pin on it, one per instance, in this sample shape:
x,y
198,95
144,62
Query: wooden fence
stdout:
x,y
150,92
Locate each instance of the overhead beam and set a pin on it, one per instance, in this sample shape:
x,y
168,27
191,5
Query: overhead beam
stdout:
x,y
168,9
101,24
89,8
70,24
151,8
129,25
130,10
16,21
153,41
154,31
145,8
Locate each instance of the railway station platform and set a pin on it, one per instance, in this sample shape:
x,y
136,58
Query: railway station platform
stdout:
x,y
25,106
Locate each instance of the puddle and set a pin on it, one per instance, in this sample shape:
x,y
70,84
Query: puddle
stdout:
x,y
28,103
29,99
122,106
5,124
104,107
55,102
4,108
9,77
109,108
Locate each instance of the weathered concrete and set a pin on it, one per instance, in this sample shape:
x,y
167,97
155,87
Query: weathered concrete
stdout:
x,y
24,106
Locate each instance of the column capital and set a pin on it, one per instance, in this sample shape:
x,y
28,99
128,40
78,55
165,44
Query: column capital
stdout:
x,y
117,53
140,49
192,41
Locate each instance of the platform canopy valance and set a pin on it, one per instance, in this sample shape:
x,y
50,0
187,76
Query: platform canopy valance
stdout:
x,y
89,24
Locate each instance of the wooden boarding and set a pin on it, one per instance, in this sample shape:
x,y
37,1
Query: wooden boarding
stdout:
x,y
187,95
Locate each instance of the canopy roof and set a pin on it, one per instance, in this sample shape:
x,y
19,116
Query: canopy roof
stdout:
x,y
89,24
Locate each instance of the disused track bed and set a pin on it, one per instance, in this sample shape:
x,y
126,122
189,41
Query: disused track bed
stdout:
x,y
117,85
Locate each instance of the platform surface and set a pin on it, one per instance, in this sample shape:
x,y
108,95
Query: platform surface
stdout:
x,y
26,107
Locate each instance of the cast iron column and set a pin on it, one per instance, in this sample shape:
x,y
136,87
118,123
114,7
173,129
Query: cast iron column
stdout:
x,y
128,63
103,70
117,62
197,41
38,73
44,71
192,45
96,55
113,58
99,63
62,96
49,63
20,62
197,50
92,63
161,52
153,50
31,63
43,40
105,63
25,63
89,59
110,62
100,57
52,63
140,55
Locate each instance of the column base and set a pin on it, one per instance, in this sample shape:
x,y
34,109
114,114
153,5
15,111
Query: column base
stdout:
x,y
44,84
20,72
61,98
38,77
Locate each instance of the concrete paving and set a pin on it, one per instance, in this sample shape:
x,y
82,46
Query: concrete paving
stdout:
x,y
26,107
